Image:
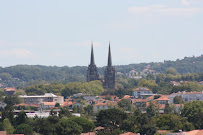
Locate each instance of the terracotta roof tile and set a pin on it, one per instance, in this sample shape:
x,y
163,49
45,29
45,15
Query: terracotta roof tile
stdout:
x,y
127,97
162,98
48,103
142,89
194,132
10,89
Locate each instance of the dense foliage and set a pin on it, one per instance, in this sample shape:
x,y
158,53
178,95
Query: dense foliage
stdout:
x,y
26,75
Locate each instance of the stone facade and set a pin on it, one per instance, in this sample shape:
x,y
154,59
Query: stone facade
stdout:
x,y
109,74
92,69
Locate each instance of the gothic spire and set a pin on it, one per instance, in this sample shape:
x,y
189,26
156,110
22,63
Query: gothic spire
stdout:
x,y
92,56
109,57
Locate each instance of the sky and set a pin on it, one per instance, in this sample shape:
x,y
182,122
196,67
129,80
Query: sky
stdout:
x,y
59,33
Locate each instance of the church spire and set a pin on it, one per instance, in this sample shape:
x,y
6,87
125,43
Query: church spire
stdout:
x,y
109,57
92,56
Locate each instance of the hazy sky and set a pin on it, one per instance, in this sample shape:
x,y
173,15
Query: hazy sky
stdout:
x,y
59,32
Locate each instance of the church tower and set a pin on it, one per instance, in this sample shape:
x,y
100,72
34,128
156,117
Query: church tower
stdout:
x,y
92,69
109,74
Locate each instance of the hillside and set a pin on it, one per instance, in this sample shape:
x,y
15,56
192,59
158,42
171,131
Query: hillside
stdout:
x,y
22,75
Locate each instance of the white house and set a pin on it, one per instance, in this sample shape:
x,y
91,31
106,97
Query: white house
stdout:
x,y
38,99
140,92
187,96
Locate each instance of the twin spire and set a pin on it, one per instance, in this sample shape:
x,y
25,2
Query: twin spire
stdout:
x,y
109,81
92,57
92,62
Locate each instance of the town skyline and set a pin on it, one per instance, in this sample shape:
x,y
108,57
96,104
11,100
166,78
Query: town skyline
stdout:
x,y
60,33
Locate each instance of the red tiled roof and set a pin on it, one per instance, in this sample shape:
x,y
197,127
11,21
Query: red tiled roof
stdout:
x,y
127,97
142,89
193,132
49,103
150,98
10,89
3,133
138,100
106,103
162,98
22,104
99,128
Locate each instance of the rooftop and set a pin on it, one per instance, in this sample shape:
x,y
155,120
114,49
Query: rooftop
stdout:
x,y
141,89
48,103
35,96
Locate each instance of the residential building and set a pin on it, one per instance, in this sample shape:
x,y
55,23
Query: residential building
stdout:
x,y
142,92
187,96
10,91
47,105
38,99
105,104
163,99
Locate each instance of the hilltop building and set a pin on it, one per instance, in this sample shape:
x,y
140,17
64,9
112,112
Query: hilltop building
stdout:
x,y
109,74
92,69
10,91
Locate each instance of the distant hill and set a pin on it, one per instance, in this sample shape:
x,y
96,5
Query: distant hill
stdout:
x,y
20,75
186,65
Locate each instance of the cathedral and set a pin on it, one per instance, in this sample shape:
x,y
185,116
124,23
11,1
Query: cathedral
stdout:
x,y
109,81
92,69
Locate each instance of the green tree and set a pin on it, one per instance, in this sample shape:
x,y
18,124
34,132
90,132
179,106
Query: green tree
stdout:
x,y
139,123
75,109
8,126
57,105
24,129
5,76
151,84
68,127
194,112
168,122
171,71
86,124
89,110
178,100
112,117
12,100
64,113
8,113
21,118
152,110
168,109
125,104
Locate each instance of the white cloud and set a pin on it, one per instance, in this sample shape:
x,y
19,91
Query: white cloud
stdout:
x,y
17,53
164,10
